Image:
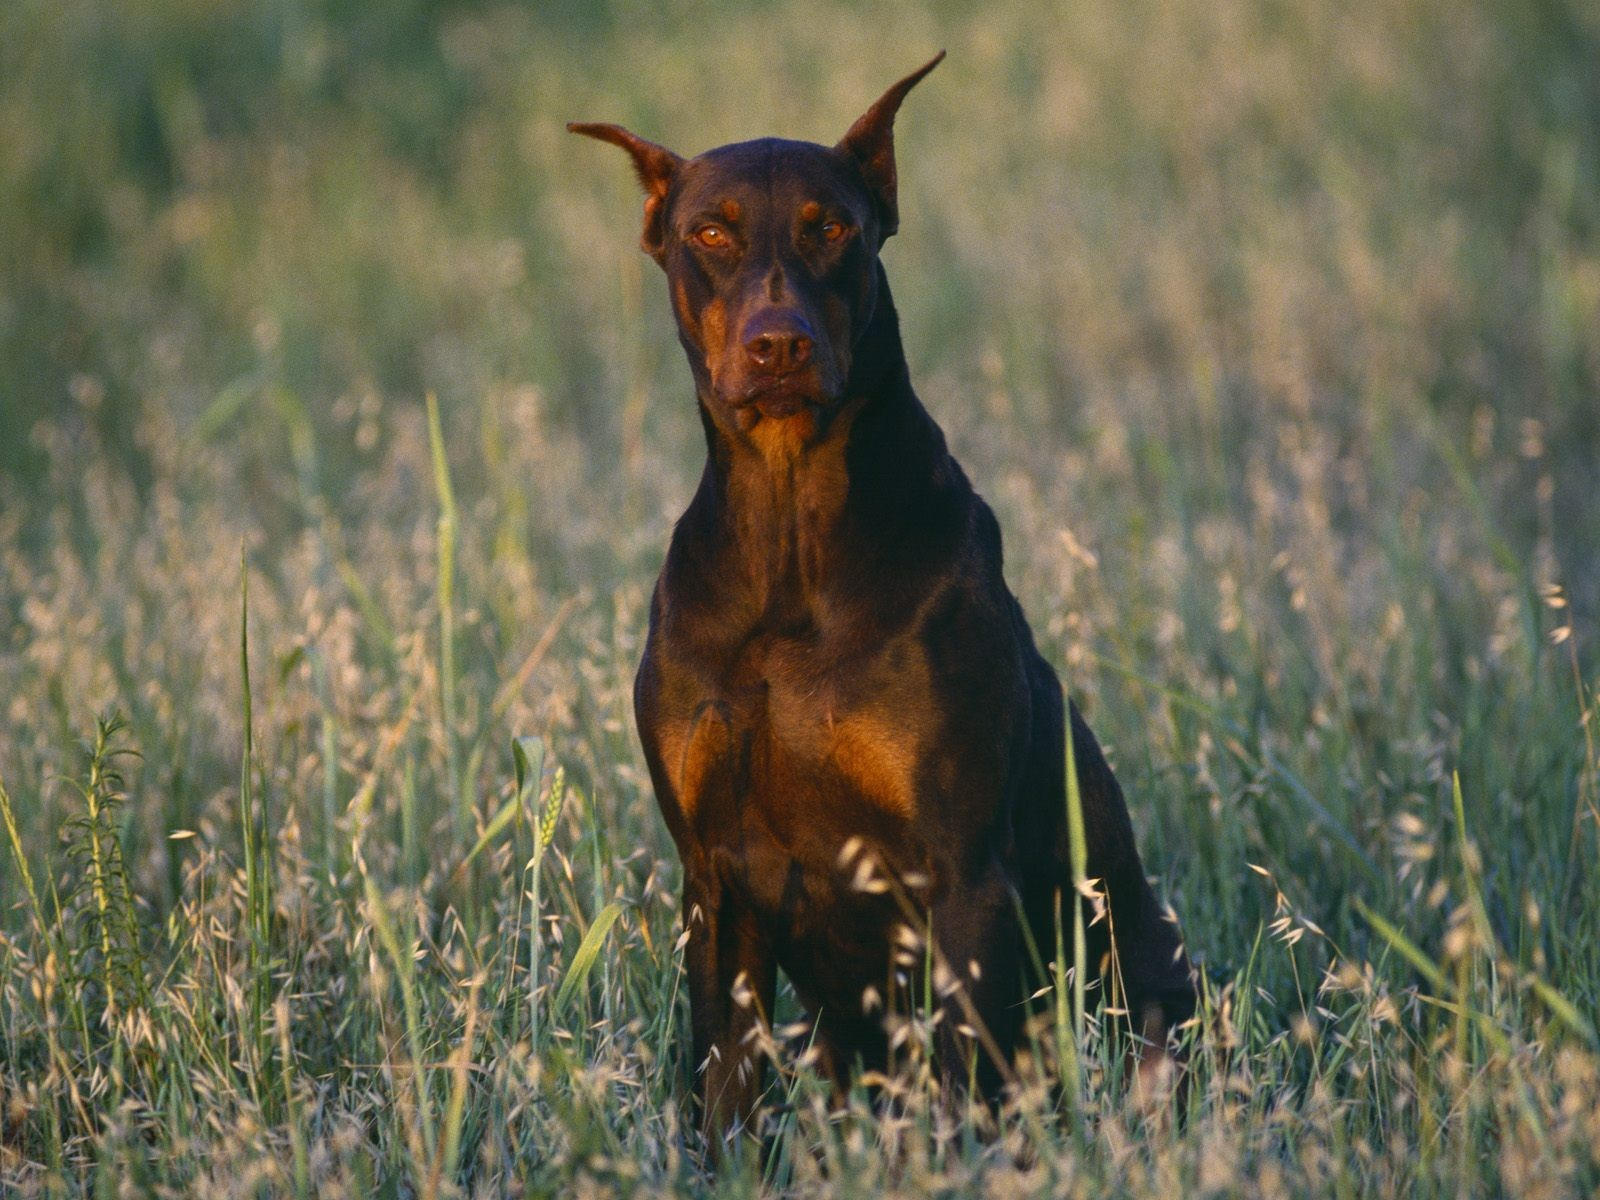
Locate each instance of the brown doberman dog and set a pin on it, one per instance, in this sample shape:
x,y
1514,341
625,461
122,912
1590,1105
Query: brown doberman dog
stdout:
x,y
840,701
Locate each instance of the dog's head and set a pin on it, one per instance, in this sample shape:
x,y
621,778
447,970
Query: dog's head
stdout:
x,y
770,249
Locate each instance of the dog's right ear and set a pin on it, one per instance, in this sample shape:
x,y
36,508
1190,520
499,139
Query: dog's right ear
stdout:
x,y
870,142
656,167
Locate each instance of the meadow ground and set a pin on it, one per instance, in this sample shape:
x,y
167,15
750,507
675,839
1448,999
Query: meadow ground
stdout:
x,y
1272,332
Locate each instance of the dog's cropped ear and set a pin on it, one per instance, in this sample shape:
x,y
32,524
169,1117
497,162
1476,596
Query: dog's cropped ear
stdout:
x,y
656,167
871,143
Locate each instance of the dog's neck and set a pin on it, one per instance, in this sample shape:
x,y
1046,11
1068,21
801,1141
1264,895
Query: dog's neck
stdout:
x,y
785,493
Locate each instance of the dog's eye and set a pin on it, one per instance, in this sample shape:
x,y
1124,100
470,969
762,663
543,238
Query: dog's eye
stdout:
x,y
834,231
713,237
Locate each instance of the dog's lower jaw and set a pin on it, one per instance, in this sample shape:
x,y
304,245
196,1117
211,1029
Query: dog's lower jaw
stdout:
x,y
775,405
780,425
780,405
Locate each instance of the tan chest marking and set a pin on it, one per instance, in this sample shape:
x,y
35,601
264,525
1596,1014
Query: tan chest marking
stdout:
x,y
878,758
779,440
693,753
875,757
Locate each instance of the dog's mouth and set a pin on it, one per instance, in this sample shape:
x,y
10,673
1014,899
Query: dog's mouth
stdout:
x,y
785,396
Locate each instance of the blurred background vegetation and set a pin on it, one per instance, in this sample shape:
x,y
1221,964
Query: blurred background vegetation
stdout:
x,y
1382,216
1271,329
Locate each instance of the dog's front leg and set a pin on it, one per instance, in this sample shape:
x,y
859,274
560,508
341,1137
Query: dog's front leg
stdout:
x,y
732,978
976,975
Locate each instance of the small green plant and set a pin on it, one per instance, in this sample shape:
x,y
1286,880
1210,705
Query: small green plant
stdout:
x,y
109,948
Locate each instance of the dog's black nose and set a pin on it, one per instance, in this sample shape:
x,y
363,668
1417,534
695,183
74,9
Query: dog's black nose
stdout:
x,y
778,342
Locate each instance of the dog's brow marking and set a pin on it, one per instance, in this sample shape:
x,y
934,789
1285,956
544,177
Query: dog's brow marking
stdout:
x,y
810,211
731,210
680,300
714,331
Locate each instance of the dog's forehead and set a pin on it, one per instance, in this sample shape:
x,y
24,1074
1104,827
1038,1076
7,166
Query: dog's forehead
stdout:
x,y
786,172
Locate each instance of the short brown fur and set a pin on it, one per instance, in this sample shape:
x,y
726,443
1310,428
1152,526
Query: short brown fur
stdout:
x,y
837,679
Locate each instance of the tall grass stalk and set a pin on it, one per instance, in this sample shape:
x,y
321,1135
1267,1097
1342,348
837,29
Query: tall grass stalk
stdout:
x,y
330,768
529,757
445,493
456,1108
43,927
257,861
1078,853
47,936
403,964
293,1111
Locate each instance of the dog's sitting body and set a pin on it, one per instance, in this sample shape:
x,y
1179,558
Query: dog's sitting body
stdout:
x,y
840,700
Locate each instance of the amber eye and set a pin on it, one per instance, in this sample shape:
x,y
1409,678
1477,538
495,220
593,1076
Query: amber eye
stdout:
x,y
833,231
713,237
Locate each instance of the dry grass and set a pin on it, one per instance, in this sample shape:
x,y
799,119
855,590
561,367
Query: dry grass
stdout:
x,y
1273,334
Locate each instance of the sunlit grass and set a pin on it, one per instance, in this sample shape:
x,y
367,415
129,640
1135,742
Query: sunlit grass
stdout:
x,y
1273,335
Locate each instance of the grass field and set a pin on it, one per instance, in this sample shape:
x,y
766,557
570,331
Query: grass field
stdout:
x,y
1271,331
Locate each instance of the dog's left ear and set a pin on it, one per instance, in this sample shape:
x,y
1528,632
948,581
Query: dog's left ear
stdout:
x,y
871,143
656,167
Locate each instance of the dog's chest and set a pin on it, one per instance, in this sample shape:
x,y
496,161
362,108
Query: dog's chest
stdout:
x,y
801,738
835,720
825,749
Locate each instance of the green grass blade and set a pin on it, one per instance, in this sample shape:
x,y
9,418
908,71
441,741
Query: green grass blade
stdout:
x,y
1078,851
447,629
15,839
1563,1009
527,759
588,953
506,814
1407,949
